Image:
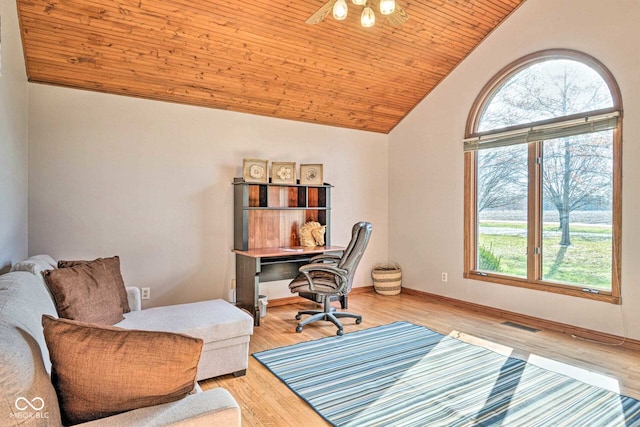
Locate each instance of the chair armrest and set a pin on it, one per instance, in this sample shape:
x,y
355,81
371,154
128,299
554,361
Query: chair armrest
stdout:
x,y
325,257
328,268
134,298
215,407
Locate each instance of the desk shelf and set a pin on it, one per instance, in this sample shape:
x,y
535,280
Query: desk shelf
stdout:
x,y
270,215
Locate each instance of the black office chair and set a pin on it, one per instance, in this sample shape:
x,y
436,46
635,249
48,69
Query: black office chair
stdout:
x,y
331,276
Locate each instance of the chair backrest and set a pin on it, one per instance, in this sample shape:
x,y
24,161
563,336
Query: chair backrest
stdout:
x,y
360,234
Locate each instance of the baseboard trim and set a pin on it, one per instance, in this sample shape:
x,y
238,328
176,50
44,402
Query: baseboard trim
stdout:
x,y
527,320
361,290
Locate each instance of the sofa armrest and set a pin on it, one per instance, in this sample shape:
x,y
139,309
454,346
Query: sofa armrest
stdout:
x,y
134,298
215,407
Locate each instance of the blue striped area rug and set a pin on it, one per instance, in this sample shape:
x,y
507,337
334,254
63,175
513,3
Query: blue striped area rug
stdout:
x,y
407,375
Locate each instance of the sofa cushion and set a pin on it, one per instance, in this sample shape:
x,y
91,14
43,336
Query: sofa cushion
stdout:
x,y
214,407
99,371
24,359
86,292
113,264
214,320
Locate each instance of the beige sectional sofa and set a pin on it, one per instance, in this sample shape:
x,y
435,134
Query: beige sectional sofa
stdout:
x,y
27,396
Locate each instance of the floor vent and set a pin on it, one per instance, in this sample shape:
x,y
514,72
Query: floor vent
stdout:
x,y
517,325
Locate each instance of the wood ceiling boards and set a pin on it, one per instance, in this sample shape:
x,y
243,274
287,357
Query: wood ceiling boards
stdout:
x,y
256,56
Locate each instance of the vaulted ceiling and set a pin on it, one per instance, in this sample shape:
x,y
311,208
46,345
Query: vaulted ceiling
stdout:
x,y
256,56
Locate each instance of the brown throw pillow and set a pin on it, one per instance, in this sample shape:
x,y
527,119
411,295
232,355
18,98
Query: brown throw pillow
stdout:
x,y
86,293
99,371
113,264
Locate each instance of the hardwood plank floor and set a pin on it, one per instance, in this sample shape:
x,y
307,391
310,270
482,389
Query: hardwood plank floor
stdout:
x,y
265,401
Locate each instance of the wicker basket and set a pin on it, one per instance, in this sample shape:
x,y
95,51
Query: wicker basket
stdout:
x,y
387,279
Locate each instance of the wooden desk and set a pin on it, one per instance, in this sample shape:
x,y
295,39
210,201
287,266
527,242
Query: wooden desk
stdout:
x,y
268,265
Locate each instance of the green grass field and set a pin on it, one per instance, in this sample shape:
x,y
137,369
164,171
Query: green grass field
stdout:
x,y
587,262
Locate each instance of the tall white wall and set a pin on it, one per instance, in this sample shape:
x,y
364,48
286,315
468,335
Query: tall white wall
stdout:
x,y
426,162
13,141
151,182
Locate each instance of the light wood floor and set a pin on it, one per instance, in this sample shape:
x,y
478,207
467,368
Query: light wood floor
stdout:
x,y
265,401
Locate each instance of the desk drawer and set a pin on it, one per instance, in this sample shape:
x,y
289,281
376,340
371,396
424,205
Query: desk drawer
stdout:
x,y
281,269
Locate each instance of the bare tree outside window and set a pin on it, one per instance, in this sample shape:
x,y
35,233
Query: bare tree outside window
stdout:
x,y
549,90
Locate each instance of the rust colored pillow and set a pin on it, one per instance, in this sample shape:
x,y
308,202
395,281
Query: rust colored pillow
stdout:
x,y
99,371
113,264
86,293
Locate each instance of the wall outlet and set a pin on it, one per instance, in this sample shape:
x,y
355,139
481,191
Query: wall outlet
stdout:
x,y
146,293
444,277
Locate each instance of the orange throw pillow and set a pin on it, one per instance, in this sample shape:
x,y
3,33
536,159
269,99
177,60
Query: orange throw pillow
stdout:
x,y
99,371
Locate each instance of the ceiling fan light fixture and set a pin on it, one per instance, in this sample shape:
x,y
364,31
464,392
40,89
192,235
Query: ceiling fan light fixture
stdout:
x,y
368,18
359,2
387,7
340,10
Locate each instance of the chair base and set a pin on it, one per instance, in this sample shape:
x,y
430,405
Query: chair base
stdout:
x,y
328,314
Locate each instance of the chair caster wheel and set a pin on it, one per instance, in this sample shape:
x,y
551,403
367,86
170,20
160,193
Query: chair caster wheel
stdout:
x,y
358,321
340,332
299,329
298,317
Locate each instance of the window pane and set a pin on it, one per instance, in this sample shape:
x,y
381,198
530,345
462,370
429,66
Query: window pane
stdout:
x,y
546,90
502,210
577,210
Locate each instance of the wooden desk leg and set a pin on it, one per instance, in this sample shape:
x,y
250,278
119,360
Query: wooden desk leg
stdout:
x,y
247,285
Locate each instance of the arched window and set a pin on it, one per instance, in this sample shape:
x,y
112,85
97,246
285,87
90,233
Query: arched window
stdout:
x,y
543,177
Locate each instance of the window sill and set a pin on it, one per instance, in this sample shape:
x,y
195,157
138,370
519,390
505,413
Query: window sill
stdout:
x,y
539,285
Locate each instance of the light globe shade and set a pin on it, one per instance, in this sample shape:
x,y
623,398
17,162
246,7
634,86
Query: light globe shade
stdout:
x,y
368,18
387,7
359,2
340,10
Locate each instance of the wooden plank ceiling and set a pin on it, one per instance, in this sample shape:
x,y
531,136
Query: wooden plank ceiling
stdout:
x,y
256,56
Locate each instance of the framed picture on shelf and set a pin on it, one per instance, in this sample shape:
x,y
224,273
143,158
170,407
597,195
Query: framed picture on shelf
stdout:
x,y
283,172
255,170
311,174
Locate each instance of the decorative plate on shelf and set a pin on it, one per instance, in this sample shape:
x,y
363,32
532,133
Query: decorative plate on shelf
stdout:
x,y
283,172
255,170
311,174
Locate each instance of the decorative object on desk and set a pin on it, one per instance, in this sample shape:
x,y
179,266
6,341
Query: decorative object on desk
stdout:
x,y
318,235
309,231
255,170
283,172
387,279
311,174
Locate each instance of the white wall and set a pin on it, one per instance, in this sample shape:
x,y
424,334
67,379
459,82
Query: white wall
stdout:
x,y
13,141
426,162
151,182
